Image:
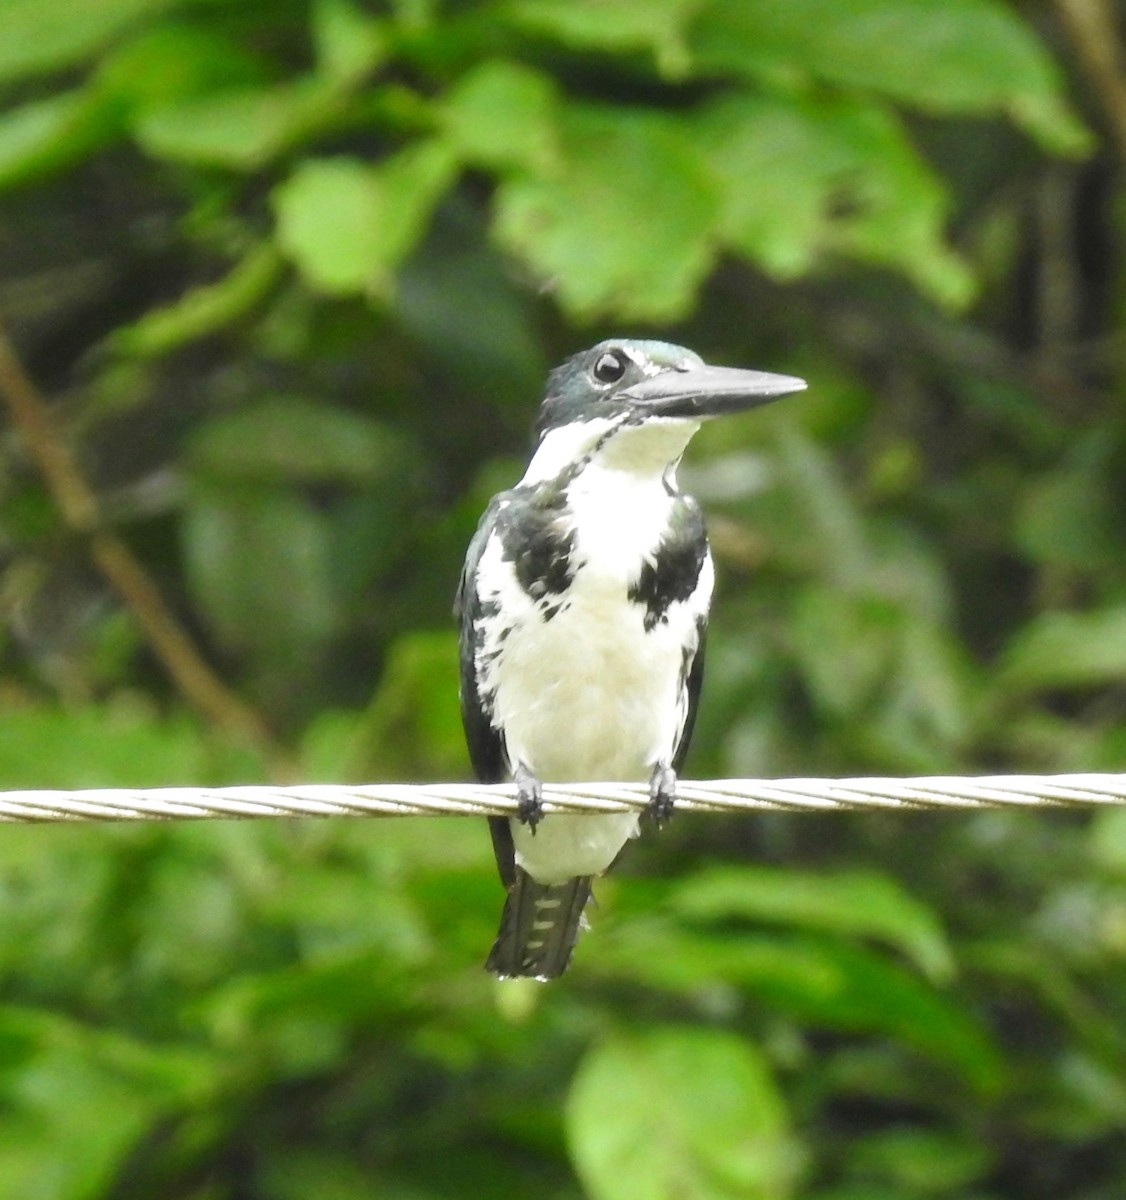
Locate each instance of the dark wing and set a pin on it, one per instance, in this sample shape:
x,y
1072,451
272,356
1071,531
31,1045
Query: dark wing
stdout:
x,y
486,747
693,682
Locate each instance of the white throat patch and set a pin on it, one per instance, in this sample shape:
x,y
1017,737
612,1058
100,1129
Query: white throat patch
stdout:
x,y
566,445
645,449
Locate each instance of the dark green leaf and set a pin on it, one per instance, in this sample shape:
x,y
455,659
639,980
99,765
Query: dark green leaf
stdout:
x,y
285,438
81,1102
1066,649
821,981
303,1172
824,522
921,1161
172,61
45,136
1067,518
204,310
845,647
856,903
257,560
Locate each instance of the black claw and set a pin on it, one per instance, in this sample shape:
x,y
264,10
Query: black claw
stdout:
x,y
662,794
529,798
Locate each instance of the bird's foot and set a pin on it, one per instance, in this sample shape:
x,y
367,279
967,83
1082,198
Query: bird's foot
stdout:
x,y
529,797
662,793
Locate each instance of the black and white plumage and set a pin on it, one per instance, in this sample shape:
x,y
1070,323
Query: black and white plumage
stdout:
x,y
583,607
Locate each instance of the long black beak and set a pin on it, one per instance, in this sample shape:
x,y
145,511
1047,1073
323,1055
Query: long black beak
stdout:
x,y
709,391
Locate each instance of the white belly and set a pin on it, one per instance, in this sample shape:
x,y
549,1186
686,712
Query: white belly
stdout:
x,y
563,847
590,695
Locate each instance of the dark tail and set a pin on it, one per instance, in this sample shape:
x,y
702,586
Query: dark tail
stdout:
x,y
539,927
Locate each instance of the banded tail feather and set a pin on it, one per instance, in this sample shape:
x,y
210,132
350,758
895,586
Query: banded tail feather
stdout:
x,y
539,927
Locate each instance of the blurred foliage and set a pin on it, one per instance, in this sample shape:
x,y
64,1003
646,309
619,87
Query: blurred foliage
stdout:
x,y
290,275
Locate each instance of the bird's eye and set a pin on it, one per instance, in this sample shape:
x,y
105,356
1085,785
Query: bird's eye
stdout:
x,y
610,366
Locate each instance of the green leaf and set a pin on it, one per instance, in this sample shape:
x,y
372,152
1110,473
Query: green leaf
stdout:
x,y
920,1161
942,56
504,115
824,527
45,136
312,1171
40,37
856,903
413,727
803,178
1108,840
862,1191
616,26
120,745
77,1104
927,709
460,304
818,981
296,1014
412,183
203,310
238,128
679,1112
623,171
329,221
1068,517
844,645
347,225
349,43
173,61
257,561
1066,649
285,438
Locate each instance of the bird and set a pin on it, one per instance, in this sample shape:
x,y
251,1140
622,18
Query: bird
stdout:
x,y
583,607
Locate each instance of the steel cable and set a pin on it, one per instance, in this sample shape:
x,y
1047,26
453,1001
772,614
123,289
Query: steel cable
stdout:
x,y
463,799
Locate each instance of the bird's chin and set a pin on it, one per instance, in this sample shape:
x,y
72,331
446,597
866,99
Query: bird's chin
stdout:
x,y
708,392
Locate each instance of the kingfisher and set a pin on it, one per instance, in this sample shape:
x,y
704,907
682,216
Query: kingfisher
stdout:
x,y
583,607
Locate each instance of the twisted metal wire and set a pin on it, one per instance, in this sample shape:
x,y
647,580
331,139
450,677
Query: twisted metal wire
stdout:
x,y
462,799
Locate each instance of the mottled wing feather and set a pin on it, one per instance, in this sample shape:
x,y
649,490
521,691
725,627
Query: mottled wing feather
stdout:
x,y
486,747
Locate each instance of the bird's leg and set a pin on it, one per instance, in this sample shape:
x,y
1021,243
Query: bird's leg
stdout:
x,y
662,793
529,797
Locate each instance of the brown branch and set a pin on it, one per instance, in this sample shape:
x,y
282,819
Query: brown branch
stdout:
x,y
79,508
1092,27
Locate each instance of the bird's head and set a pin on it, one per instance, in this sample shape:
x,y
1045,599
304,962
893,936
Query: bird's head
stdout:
x,y
622,388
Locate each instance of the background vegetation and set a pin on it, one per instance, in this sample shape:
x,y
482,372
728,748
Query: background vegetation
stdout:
x,y
280,284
